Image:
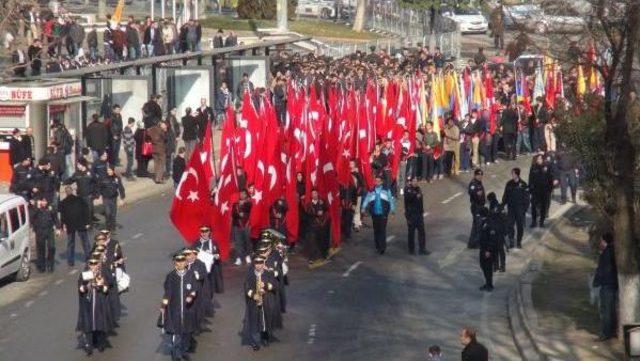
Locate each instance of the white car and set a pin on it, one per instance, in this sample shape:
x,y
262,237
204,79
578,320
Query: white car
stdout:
x,y
519,14
15,245
316,8
469,20
556,22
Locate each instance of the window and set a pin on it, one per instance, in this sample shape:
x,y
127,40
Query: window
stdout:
x,y
23,214
15,220
4,227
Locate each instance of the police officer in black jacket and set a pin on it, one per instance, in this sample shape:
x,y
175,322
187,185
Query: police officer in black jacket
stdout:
x,y
516,198
110,187
44,220
413,211
540,186
45,183
86,185
477,198
488,247
21,179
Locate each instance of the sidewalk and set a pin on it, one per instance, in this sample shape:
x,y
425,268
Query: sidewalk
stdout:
x,y
552,298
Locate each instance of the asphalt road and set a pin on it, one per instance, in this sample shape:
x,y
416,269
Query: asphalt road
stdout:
x,y
361,306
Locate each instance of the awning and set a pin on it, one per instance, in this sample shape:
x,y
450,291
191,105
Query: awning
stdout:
x,y
71,100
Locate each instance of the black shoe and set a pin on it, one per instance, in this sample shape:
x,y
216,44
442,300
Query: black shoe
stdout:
x,y
412,252
88,350
175,358
265,343
541,225
603,338
483,288
424,252
502,270
255,348
101,348
186,357
488,288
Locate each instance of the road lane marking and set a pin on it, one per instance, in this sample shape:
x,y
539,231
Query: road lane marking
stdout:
x,y
451,257
391,238
43,293
14,315
312,334
59,282
137,235
451,198
331,292
425,214
351,269
72,272
29,303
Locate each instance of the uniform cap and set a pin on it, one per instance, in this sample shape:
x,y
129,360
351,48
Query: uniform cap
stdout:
x,y
93,262
105,232
179,257
99,248
258,260
205,229
478,172
96,254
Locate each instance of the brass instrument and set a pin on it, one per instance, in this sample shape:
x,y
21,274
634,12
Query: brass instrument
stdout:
x,y
259,291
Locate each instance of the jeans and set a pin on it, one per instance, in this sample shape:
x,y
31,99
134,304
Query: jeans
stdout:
x,y
189,147
68,165
71,245
568,179
115,151
149,49
539,207
608,298
538,141
449,160
108,52
89,200
168,169
465,157
523,141
110,212
509,141
93,52
133,53
493,150
428,166
129,171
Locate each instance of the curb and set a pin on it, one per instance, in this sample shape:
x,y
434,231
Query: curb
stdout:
x,y
522,316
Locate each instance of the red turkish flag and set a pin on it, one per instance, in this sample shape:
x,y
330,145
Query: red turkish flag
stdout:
x,y
191,207
292,218
248,134
206,153
224,195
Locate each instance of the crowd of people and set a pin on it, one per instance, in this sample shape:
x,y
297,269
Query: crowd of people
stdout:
x,y
50,43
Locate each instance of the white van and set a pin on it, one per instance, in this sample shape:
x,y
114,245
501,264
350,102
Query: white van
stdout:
x,y
15,246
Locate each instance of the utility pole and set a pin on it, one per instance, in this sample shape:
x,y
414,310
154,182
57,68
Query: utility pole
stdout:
x,y
281,8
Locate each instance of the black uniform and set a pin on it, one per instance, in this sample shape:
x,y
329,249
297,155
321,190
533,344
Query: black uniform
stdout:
x,y
86,187
258,316
477,198
540,186
204,305
114,259
93,310
46,184
499,222
318,230
109,188
208,245
273,265
349,199
44,220
277,216
516,198
413,211
21,181
180,313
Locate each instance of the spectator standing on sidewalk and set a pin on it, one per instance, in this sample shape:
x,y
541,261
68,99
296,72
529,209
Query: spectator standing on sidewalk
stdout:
x,y
179,165
97,136
86,185
75,219
473,350
158,136
189,132
115,129
173,132
129,144
606,278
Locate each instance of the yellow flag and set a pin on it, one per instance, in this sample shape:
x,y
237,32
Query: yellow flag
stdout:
x,y
117,13
581,86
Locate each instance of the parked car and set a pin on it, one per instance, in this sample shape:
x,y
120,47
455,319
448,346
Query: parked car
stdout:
x,y
519,14
316,8
561,20
469,20
15,245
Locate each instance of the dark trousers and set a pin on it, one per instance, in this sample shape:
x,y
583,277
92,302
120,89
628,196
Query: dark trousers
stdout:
x,y
318,238
476,227
241,241
94,339
46,250
568,179
71,245
539,207
346,221
448,162
516,217
537,139
413,226
428,164
509,140
493,151
380,232
179,344
143,167
486,263
499,259
89,201
110,212
608,298
129,171
498,41
114,154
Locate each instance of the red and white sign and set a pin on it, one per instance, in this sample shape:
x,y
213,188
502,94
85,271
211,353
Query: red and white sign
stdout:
x,y
53,92
12,110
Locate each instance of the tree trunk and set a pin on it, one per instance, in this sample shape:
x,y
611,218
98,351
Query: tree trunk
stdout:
x,y
361,10
102,9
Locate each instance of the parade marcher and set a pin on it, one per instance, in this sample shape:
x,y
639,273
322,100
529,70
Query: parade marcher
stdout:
x,y
606,277
477,199
277,215
541,187
414,213
379,202
109,188
45,223
241,230
499,222
75,219
358,182
488,247
259,303
317,230
204,306
178,307
206,244
516,198
509,127
93,313
349,202
272,265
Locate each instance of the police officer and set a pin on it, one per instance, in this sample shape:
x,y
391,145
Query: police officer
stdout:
x,y
540,186
21,179
45,183
499,223
477,198
488,245
86,185
379,202
109,188
516,198
413,212
45,221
